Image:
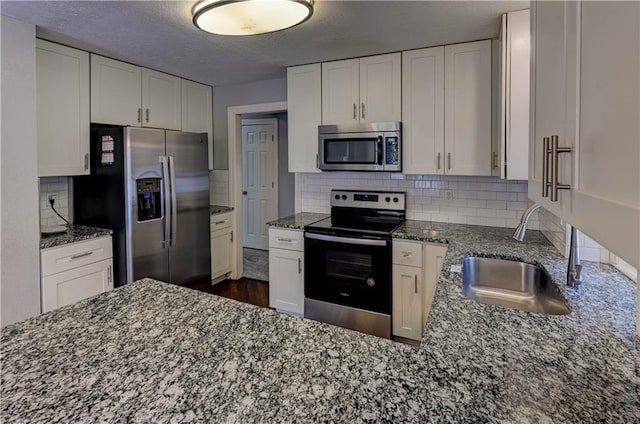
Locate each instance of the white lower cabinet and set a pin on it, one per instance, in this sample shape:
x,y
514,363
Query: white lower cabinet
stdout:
x,y
415,272
76,271
286,271
221,245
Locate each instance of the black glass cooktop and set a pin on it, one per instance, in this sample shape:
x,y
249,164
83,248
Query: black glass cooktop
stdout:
x,y
355,225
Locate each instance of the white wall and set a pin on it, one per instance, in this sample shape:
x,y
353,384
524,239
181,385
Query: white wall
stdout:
x,y
266,91
19,221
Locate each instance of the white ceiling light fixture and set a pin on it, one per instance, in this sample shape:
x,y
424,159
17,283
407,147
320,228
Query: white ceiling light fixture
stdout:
x,y
250,17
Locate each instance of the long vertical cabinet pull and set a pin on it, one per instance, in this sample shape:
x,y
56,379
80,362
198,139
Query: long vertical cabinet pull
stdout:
x,y
415,283
555,184
167,196
147,113
140,114
438,160
299,266
449,161
174,203
362,110
355,111
545,167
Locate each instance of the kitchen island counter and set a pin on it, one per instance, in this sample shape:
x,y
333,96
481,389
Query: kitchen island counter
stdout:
x,y
154,352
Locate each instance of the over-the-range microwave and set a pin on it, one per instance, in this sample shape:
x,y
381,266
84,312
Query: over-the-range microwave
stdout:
x,y
360,147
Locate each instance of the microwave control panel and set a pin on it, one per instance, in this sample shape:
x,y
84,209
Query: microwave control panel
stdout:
x,y
391,151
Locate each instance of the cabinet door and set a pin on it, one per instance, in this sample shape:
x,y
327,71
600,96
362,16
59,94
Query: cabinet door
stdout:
x,y
286,281
62,110
304,100
116,92
605,196
468,108
197,111
407,302
340,92
380,92
80,283
548,93
221,247
161,98
433,261
423,111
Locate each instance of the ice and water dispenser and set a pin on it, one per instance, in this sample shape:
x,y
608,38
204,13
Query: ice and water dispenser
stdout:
x,y
149,202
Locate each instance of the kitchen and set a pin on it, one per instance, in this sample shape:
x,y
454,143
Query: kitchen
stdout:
x,y
384,360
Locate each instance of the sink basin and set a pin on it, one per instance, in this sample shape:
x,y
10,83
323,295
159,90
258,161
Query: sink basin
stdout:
x,y
511,284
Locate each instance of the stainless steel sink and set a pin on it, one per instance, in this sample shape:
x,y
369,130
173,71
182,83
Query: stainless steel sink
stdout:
x,y
511,284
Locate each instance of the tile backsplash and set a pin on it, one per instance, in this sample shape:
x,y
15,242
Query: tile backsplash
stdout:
x,y
60,187
463,200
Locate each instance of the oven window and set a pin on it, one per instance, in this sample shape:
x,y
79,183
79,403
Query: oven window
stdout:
x,y
350,150
348,265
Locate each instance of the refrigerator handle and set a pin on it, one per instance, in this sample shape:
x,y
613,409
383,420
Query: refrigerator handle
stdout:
x,y
165,195
174,203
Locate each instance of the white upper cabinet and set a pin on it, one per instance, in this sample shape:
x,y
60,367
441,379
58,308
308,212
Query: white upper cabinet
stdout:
x,y
341,92
380,92
116,88
62,110
197,111
468,108
304,100
362,90
423,111
161,98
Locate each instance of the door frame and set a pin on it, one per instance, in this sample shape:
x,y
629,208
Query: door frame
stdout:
x,y
234,149
274,163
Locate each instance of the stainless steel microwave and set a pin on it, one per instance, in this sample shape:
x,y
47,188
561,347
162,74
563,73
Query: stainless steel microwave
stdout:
x,y
360,147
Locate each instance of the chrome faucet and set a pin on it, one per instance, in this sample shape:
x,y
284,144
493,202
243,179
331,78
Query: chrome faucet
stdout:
x,y
574,274
521,229
574,269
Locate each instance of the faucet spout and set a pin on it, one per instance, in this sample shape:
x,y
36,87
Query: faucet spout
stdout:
x,y
521,229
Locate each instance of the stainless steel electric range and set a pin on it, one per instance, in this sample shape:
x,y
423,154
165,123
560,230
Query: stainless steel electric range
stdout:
x,y
348,261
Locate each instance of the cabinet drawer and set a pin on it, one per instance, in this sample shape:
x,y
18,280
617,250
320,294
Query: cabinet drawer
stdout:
x,y
64,258
407,253
286,239
220,221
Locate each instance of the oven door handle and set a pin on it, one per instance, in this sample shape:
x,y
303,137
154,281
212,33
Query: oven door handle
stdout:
x,y
347,240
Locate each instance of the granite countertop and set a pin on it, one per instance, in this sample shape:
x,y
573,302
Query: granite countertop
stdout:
x,y
153,352
73,234
298,221
216,209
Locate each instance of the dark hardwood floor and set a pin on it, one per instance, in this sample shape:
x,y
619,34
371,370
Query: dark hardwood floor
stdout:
x,y
244,290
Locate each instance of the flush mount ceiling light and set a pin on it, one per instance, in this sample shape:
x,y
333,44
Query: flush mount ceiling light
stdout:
x,y
250,17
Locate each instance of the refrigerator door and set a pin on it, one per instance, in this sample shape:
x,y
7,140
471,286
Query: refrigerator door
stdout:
x,y
189,251
147,253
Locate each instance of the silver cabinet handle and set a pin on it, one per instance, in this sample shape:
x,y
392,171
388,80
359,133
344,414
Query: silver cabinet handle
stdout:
x,y
362,110
449,160
415,283
139,114
317,161
495,160
406,254
299,266
218,222
81,255
438,160
231,236
147,114
86,161
545,166
286,240
555,184
109,275
355,111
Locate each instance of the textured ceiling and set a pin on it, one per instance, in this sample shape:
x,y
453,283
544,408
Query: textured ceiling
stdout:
x,y
160,34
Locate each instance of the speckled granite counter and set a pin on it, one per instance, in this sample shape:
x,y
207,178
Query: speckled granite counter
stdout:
x,y
216,209
152,352
297,221
73,234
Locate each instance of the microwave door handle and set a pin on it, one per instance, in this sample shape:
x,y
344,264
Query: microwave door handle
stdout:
x,y
379,151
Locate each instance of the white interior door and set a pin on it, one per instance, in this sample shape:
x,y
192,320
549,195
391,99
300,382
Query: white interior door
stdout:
x,y
259,180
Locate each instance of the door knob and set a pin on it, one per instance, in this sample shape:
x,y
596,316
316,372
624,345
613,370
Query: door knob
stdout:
x,y
244,192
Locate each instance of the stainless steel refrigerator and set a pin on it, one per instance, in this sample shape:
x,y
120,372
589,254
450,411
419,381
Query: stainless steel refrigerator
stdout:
x,y
151,187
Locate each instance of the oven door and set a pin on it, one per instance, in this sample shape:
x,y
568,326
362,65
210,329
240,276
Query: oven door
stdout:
x,y
349,271
351,152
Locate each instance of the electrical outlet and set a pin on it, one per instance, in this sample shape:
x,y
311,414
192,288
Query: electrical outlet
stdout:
x,y
52,198
448,195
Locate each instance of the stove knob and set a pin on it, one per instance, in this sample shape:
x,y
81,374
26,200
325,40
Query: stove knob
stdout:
x,y
387,199
337,197
396,200
344,197
371,282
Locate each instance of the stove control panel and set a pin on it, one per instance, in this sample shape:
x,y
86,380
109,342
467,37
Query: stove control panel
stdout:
x,y
393,200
